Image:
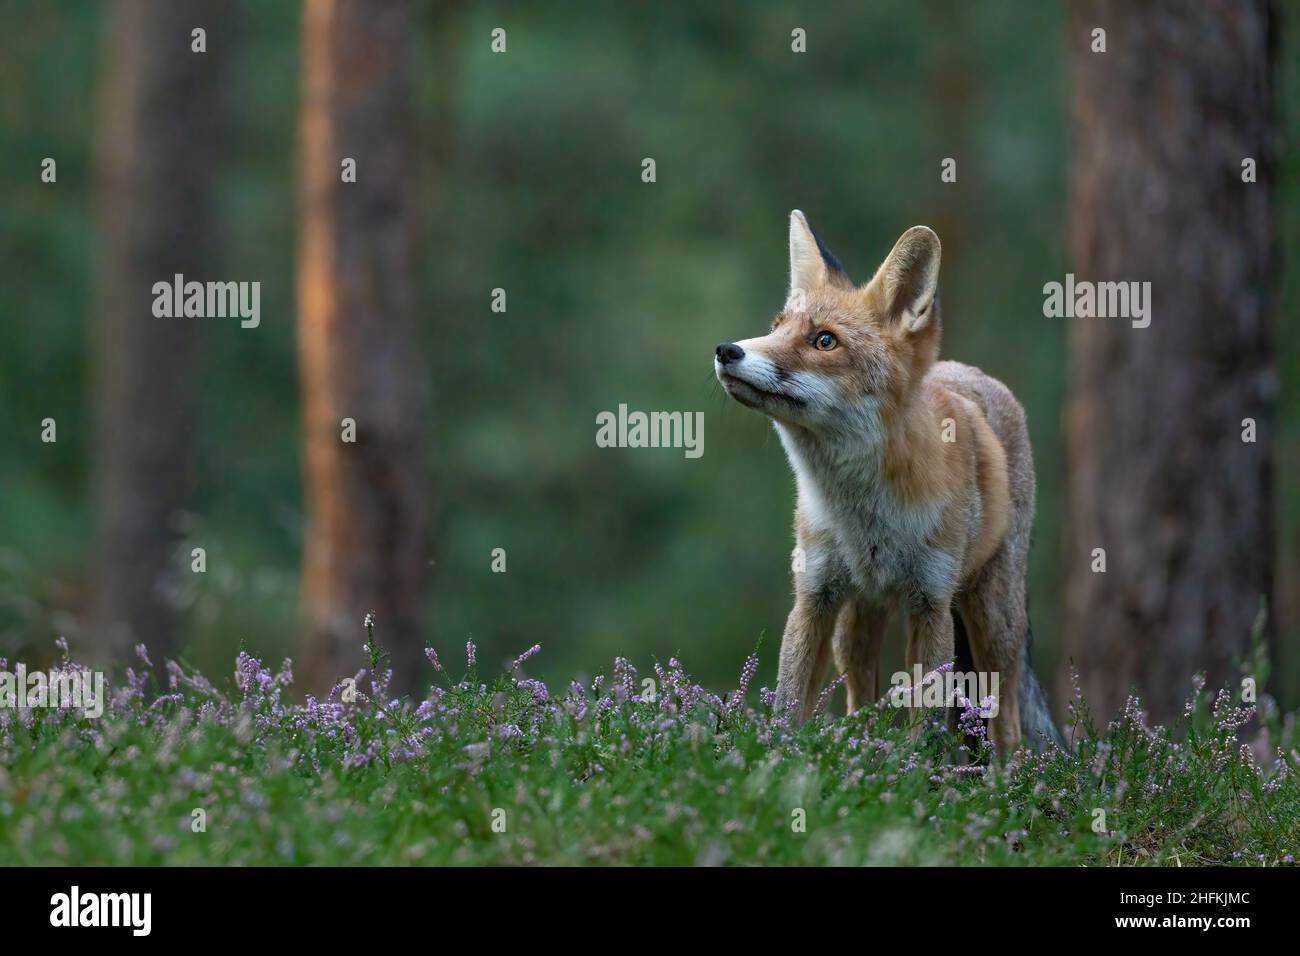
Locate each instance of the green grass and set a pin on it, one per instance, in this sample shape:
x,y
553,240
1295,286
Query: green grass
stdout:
x,y
502,771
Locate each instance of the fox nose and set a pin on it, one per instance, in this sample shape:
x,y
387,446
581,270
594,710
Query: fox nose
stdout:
x,y
730,352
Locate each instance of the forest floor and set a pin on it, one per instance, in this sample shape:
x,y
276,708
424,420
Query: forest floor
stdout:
x,y
625,770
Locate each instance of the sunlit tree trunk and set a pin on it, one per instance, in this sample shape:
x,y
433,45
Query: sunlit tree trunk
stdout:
x,y
160,147
1160,477
365,547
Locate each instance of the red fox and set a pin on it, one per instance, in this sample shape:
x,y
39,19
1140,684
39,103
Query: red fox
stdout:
x,y
915,483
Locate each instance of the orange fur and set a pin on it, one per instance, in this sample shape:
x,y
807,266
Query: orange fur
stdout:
x,y
915,481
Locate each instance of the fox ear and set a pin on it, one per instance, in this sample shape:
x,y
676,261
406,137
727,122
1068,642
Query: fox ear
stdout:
x,y
811,264
909,278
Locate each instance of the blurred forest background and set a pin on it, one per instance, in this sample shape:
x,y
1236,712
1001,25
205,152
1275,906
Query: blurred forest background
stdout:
x,y
522,171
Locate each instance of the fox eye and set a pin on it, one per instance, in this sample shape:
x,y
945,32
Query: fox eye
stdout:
x,y
825,341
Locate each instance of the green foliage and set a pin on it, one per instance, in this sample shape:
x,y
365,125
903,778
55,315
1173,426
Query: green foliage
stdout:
x,y
507,771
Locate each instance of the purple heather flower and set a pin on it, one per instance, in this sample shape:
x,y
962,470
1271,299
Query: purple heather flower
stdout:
x,y
535,649
746,678
432,655
540,693
830,689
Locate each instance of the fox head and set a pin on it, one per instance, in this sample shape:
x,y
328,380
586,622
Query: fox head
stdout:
x,y
839,352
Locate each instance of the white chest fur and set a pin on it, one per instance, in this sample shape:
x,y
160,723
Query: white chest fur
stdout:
x,y
884,544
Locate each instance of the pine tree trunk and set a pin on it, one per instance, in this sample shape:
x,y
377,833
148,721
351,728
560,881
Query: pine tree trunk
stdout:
x,y
365,547
1160,477
159,149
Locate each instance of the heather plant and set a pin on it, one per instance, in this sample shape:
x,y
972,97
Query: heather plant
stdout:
x,y
622,769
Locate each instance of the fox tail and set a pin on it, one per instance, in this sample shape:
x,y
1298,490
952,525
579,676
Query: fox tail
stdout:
x,y
1036,724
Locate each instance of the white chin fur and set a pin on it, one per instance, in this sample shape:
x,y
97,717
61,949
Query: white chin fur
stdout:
x,y
755,368
747,379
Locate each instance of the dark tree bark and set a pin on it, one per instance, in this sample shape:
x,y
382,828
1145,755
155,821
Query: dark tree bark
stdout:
x,y
1159,474
159,148
365,547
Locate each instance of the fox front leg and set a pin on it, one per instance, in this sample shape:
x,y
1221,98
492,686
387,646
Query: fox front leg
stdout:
x,y
805,649
929,637
929,644
858,636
